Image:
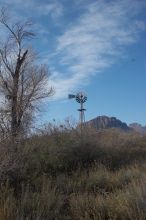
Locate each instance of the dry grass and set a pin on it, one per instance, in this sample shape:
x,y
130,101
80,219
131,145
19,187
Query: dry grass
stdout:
x,y
60,176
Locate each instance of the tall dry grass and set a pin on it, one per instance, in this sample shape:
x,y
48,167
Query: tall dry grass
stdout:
x,y
59,175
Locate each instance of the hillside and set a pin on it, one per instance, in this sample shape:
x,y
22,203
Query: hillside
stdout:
x,y
104,122
138,128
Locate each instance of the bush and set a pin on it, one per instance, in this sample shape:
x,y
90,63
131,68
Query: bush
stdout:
x,y
60,175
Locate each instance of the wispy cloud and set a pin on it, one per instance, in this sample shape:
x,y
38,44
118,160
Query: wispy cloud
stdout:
x,y
52,8
55,9
95,42
91,40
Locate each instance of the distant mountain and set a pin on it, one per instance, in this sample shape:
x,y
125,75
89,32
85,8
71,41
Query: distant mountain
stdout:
x,y
103,122
138,128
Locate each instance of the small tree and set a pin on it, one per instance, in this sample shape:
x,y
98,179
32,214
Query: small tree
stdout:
x,y
22,82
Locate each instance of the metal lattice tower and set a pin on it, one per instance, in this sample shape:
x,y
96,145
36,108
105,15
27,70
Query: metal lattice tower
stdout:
x,y
80,98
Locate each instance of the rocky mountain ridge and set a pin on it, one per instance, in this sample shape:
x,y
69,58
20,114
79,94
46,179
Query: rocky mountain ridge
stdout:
x,y
105,122
138,127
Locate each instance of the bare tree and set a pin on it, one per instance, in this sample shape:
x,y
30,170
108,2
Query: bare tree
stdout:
x,y
22,81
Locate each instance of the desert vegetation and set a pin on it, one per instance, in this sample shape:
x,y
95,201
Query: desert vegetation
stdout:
x,y
59,174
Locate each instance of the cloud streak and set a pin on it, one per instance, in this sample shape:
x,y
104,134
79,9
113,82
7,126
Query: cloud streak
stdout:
x,y
85,44
52,8
95,42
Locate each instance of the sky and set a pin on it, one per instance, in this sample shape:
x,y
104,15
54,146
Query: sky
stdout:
x,y
94,46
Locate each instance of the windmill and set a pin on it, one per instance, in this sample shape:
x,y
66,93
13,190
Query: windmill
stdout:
x,y
81,98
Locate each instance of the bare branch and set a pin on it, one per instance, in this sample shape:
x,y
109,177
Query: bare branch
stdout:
x,y
23,83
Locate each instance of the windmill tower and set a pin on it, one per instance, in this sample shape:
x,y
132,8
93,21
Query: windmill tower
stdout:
x,y
81,98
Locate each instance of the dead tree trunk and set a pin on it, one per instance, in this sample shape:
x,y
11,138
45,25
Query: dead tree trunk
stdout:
x,y
14,99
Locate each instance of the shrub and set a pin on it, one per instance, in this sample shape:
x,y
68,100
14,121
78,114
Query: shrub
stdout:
x,y
60,175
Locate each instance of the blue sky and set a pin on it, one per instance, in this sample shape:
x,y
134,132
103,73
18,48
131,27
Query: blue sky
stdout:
x,y
97,46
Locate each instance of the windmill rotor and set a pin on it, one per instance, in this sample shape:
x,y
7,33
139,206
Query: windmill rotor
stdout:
x,y
81,97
